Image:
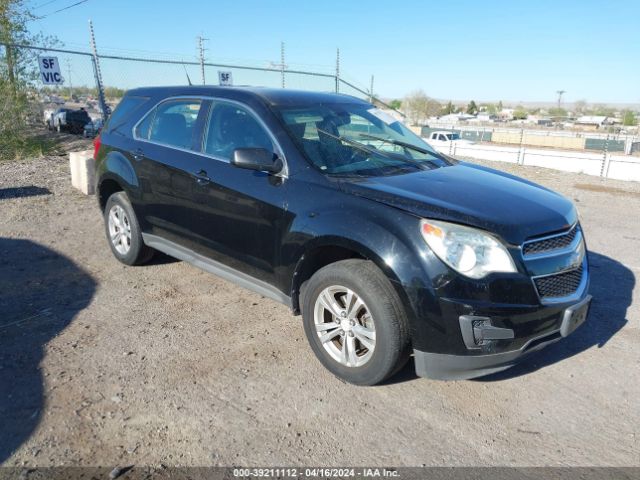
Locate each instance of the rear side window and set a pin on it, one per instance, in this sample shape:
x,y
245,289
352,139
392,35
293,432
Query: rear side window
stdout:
x,y
122,112
173,123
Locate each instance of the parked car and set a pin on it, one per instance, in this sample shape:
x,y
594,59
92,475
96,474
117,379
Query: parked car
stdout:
x,y
92,128
73,121
445,139
46,116
50,115
385,246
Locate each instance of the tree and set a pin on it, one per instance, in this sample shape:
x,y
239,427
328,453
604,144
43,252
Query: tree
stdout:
x,y
448,108
603,110
500,106
492,109
395,104
472,108
629,118
580,106
418,106
557,112
18,72
520,113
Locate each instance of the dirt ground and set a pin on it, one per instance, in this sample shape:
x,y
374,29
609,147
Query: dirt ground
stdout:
x,y
102,364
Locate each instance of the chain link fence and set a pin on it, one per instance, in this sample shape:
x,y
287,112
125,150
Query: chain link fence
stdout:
x,y
118,73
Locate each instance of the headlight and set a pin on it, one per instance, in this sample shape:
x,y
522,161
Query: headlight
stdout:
x,y
467,250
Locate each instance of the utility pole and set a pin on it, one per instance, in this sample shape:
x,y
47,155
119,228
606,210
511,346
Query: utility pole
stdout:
x,y
282,65
201,50
560,93
97,74
337,70
371,91
68,62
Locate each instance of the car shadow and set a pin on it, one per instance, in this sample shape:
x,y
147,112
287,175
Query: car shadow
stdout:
x,y
19,192
611,286
160,258
41,291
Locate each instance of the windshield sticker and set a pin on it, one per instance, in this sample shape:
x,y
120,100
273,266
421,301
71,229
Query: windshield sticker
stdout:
x,y
381,115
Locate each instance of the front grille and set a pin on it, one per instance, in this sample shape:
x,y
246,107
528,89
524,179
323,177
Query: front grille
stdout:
x,y
560,285
551,243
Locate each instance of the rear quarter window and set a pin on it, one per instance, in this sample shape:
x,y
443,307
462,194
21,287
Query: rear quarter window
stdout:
x,y
127,106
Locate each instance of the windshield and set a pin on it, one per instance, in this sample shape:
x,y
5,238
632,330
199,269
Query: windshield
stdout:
x,y
357,139
453,136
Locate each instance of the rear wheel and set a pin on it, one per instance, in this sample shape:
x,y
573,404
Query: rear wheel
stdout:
x,y
123,231
355,322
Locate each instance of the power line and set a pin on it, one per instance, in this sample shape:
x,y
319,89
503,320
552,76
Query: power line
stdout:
x,y
63,9
45,4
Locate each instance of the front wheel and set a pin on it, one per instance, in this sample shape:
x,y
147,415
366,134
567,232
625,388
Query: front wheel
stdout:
x,y
355,322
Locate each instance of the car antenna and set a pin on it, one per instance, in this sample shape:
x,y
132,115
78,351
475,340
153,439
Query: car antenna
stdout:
x,y
187,74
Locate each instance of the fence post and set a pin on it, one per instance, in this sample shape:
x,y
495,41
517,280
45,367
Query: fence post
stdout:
x,y
604,157
520,154
337,70
201,56
98,76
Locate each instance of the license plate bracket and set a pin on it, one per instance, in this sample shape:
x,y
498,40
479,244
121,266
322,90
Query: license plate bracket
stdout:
x,y
574,316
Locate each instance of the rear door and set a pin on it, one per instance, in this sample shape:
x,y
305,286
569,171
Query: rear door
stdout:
x,y
168,165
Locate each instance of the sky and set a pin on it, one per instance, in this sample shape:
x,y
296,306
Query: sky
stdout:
x,y
461,50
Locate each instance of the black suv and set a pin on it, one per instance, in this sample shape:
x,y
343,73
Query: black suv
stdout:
x,y
335,208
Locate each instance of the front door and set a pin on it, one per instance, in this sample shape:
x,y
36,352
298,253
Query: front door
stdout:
x,y
243,211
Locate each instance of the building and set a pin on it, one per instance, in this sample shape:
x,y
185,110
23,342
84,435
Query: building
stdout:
x,y
591,122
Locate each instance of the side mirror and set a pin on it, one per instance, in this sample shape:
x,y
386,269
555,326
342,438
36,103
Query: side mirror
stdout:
x,y
257,159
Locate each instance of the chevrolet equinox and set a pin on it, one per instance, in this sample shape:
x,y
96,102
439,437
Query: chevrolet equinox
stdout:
x,y
333,207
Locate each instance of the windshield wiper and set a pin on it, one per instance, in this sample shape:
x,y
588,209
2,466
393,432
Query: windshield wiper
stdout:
x,y
373,151
397,142
353,143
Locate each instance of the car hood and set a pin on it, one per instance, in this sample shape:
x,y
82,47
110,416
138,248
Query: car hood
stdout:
x,y
509,206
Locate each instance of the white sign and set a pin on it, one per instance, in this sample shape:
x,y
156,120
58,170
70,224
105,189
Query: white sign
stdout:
x,y
50,71
225,79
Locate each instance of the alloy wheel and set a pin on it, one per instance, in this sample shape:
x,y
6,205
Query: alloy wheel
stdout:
x,y
344,326
119,230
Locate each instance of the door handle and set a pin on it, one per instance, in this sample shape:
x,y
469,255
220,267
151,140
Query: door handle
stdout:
x,y
138,154
202,178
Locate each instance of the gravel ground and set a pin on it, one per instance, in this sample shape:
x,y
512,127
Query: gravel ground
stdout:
x,y
102,364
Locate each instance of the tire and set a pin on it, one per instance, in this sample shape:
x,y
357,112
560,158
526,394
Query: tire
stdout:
x,y
123,231
381,313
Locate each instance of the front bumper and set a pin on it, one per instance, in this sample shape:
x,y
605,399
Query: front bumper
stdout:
x,y
441,366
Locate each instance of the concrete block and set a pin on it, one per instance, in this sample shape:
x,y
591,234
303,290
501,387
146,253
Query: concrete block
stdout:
x,y
83,171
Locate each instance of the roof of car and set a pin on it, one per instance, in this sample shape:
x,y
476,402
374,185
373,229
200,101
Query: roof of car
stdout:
x,y
272,96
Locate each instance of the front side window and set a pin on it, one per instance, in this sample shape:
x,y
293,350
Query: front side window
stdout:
x,y
357,139
231,127
172,123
